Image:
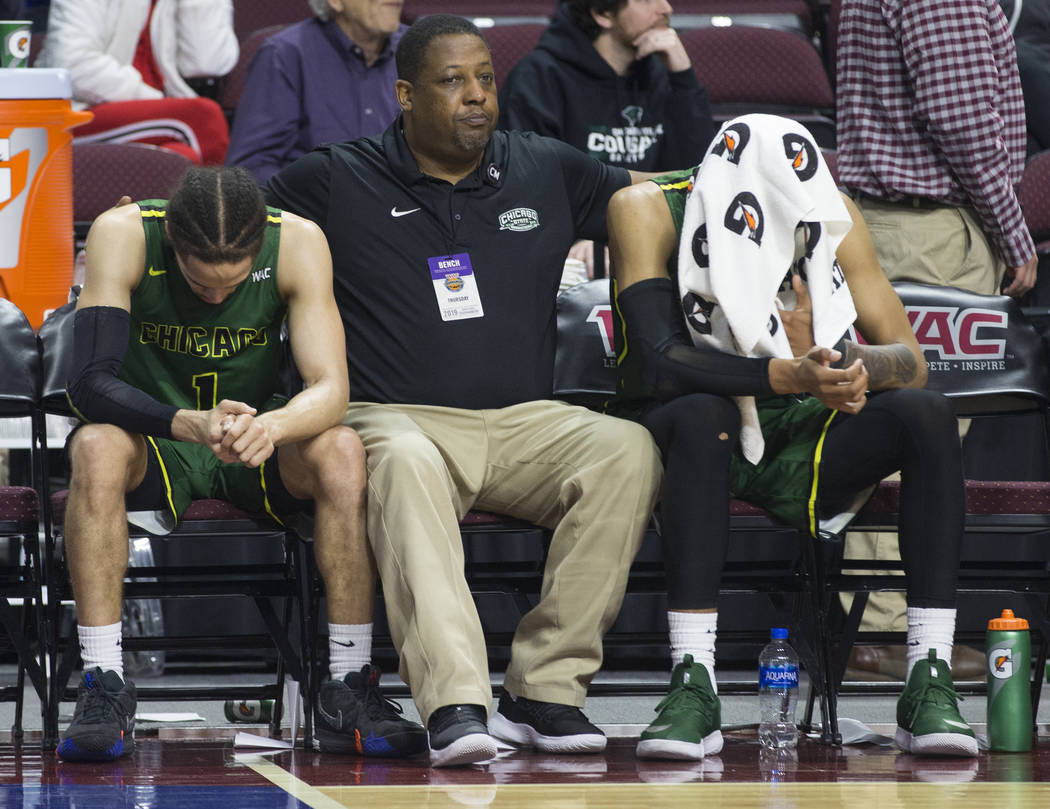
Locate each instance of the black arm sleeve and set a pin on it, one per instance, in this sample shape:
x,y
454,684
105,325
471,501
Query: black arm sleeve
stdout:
x,y
672,365
100,341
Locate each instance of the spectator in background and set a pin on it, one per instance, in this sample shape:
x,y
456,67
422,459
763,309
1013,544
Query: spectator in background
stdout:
x,y
931,144
323,80
611,78
130,61
1030,24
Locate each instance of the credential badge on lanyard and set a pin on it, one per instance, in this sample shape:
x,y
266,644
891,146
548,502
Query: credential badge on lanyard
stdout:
x,y
455,287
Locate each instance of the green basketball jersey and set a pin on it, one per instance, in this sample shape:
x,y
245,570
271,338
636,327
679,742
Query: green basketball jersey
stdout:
x,y
192,354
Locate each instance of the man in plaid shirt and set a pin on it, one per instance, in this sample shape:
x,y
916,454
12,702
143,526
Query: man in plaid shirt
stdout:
x,y
931,144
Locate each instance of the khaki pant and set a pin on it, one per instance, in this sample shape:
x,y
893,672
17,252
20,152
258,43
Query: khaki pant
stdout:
x,y
591,478
943,246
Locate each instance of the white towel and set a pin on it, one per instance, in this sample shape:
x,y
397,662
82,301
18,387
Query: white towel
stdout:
x,y
762,179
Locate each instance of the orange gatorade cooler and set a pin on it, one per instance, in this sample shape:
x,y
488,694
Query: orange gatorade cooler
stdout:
x,y
36,188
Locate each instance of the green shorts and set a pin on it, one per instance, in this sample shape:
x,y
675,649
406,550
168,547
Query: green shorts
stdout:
x,y
786,481
179,472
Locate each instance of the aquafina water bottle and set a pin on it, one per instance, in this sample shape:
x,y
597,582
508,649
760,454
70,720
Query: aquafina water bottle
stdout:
x,y
778,692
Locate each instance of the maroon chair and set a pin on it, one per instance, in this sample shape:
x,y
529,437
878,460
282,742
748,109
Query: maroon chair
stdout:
x,y
508,43
759,66
21,570
233,84
103,172
496,9
796,14
751,69
251,15
1034,196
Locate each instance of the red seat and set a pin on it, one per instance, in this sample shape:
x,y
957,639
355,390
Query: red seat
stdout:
x,y
750,65
103,172
508,43
497,9
251,15
1034,195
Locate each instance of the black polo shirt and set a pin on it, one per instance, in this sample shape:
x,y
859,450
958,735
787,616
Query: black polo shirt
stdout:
x,y
386,223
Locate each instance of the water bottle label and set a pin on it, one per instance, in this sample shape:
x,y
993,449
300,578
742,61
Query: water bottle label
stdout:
x,y
778,677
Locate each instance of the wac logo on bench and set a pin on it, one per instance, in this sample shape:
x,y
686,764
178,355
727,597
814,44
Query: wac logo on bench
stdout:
x,y
601,316
963,339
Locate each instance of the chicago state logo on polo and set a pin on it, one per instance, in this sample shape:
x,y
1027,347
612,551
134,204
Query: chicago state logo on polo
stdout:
x,y
519,219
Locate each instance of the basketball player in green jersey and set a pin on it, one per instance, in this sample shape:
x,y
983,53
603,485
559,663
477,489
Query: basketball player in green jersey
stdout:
x,y
175,374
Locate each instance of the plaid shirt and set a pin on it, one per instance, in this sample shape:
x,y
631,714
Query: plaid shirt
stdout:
x,y
929,105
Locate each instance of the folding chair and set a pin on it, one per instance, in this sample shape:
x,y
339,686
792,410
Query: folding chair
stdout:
x,y
21,575
988,359
790,575
750,69
275,578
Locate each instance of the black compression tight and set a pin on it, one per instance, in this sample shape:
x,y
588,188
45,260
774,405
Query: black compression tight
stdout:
x,y
696,434
909,430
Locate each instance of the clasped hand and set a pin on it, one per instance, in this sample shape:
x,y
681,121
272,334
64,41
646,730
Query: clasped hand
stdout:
x,y
235,434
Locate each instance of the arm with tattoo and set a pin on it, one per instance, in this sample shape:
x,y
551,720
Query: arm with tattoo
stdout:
x,y
888,366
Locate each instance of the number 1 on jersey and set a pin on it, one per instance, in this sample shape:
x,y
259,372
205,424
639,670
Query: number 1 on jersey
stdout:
x,y
207,386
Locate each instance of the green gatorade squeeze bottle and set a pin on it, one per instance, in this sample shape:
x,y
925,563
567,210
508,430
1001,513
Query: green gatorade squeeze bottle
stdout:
x,y
1009,648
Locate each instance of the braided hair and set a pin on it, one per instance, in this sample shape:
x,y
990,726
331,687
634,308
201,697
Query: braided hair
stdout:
x,y
217,215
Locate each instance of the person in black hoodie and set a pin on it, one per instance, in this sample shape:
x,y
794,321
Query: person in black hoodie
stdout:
x,y
612,78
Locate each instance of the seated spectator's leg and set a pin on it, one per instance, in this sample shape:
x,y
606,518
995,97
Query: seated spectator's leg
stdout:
x,y
697,435
106,463
914,431
330,470
424,466
194,127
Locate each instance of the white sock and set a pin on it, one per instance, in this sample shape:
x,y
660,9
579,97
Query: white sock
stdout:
x,y
930,628
102,646
694,633
349,648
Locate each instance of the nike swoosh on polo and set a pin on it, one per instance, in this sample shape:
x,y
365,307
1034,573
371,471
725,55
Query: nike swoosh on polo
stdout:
x,y
349,644
395,212
156,272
